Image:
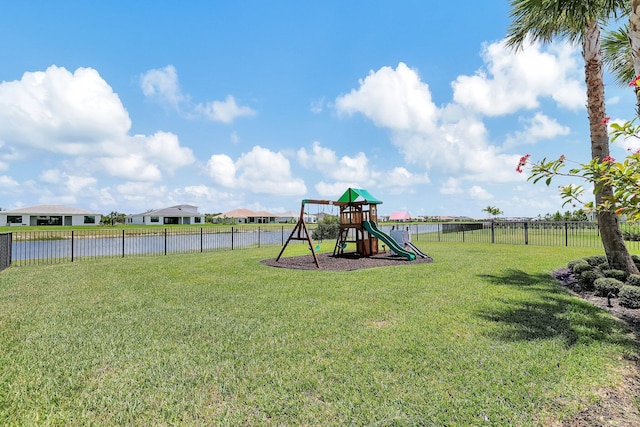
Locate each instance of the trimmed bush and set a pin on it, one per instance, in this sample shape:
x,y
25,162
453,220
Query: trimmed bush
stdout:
x,y
596,260
588,277
615,274
605,285
580,268
572,264
633,280
630,296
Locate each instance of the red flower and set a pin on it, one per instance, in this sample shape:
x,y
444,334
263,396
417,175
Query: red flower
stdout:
x,y
635,82
606,120
608,159
561,159
523,161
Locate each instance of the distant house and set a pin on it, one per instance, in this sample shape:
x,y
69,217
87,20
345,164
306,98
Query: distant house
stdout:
x,y
400,216
246,216
49,215
285,217
293,217
181,214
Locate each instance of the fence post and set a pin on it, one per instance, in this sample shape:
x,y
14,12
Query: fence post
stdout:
x,y
201,242
6,240
282,236
258,236
123,243
493,232
71,245
165,241
231,238
566,234
526,233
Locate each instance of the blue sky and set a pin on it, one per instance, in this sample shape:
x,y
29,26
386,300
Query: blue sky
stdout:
x,y
129,106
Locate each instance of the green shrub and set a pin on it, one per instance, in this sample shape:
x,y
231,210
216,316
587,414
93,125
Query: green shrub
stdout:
x,y
580,268
604,266
607,285
633,280
588,277
572,264
328,228
596,260
635,258
616,274
630,296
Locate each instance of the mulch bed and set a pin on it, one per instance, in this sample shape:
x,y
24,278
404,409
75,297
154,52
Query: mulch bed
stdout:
x,y
628,315
344,262
616,407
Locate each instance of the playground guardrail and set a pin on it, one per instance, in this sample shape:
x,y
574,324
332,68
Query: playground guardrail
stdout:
x,y
20,248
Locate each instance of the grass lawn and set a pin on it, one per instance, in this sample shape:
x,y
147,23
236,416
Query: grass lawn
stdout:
x,y
482,336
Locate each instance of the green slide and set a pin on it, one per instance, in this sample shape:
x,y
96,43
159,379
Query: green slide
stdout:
x,y
372,228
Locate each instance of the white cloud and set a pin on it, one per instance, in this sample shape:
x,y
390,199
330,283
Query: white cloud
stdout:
x,y
138,194
317,105
61,112
400,177
451,186
517,80
453,139
164,149
259,171
162,84
394,99
478,193
355,170
224,111
8,185
77,115
334,189
537,128
319,158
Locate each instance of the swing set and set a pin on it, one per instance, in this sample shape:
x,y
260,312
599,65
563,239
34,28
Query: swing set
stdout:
x,y
358,216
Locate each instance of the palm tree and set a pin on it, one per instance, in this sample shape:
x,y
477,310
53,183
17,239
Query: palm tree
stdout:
x,y
579,21
621,51
616,54
493,211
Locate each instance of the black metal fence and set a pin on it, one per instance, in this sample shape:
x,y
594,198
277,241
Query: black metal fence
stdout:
x,y
56,246
49,246
5,250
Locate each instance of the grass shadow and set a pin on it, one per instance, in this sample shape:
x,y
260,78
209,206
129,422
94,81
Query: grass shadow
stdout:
x,y
550,312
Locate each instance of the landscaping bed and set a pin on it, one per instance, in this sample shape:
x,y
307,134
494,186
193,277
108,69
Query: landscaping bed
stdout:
x,y
342,262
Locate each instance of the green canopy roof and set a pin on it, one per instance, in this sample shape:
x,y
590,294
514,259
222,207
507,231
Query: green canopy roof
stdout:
x,y
352,195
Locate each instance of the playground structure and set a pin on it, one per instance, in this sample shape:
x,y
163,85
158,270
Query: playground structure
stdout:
x,y
358,225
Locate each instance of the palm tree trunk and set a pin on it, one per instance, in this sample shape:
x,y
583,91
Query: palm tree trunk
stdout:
x,y
634,41
614,246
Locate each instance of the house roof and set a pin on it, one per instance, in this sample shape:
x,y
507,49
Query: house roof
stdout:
x,y
239,213
50,210
399,215
180,210
246,213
